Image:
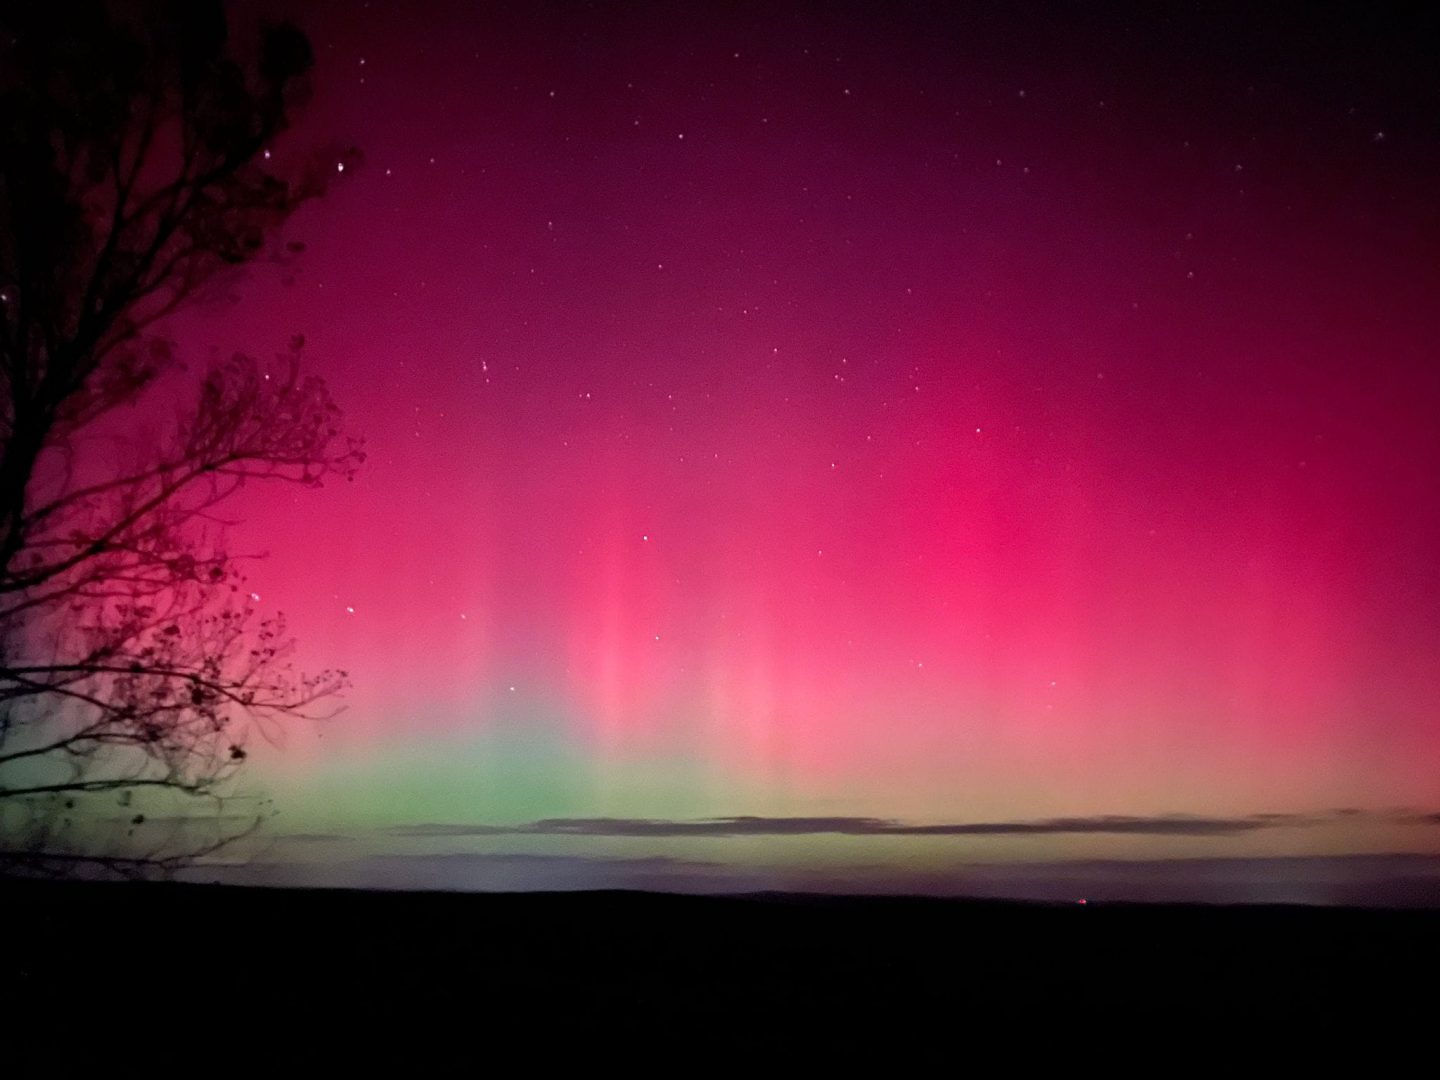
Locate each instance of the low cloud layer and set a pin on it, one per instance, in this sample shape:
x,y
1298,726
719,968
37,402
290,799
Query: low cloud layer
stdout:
x,y
1397,879
1159,825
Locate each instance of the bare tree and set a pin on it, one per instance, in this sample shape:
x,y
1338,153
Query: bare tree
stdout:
x,y
135,175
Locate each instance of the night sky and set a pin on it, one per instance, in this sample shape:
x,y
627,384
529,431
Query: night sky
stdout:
x,y
851,419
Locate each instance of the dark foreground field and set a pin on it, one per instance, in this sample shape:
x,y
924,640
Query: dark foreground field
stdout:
x,y
308,975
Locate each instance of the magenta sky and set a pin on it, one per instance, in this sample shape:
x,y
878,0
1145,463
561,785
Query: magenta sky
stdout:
x,y
931,417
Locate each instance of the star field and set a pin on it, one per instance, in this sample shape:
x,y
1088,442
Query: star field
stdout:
x,y
898,412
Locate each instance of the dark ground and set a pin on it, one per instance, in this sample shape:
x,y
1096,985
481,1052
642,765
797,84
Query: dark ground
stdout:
x,y
303,976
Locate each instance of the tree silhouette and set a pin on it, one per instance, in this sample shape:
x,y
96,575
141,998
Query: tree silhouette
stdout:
x,y
135,177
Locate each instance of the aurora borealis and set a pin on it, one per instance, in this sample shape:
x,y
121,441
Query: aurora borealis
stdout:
x,y
861,414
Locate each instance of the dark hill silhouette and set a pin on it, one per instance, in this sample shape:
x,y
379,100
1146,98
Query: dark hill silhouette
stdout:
x,y
337,974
